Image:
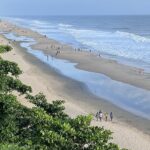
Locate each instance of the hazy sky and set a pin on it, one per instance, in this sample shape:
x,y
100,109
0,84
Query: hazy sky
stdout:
x,y
74,7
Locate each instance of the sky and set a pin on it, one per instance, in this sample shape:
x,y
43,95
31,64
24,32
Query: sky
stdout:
x,y
74,7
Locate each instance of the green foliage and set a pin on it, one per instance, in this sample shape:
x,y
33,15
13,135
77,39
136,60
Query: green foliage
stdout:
x,y
37,129
46,126
7,67
8,84
56,109
8,111
5,48
12,147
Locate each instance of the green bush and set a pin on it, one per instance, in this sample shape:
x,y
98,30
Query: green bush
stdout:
x,y
56,109
12,147
5,48
9,67
8,84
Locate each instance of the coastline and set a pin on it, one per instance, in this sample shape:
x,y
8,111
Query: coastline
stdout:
x,y
56,86
86,61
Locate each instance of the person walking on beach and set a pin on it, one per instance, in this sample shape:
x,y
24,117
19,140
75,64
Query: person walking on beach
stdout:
x,y
111,116
56,53
100,115
106,116
97,115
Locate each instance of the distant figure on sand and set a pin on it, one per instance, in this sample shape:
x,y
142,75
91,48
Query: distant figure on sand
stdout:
x,y
100,115
57,53
106,116
111,116
47,57
97,115
141,71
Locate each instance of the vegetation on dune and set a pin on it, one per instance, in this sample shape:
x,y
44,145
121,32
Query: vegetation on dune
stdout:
x,y
5,48
45,126
9,67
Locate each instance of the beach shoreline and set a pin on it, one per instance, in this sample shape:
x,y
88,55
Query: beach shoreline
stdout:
x,y
85,60
56,86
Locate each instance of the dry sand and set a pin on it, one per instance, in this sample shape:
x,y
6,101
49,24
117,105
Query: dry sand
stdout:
x,y
128,134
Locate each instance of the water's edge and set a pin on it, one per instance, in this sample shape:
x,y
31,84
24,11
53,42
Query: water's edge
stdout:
x,y
120,44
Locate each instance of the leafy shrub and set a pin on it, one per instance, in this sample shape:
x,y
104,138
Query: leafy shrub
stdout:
x,y
12,147
8,84
5,48
56,109
9,67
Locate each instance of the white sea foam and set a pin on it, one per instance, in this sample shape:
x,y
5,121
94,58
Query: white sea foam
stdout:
x,y
116,43
64,25
132,36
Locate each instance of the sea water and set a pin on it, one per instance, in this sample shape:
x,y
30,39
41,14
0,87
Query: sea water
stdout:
x,y
123,38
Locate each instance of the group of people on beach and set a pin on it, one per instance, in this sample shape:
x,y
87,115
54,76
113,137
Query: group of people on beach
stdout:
x,y
100,116
58,52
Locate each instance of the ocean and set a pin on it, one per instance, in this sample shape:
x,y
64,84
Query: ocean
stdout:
x,y
123,38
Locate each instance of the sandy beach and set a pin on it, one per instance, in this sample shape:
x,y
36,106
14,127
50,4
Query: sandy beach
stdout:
x,y
87,61
130,131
